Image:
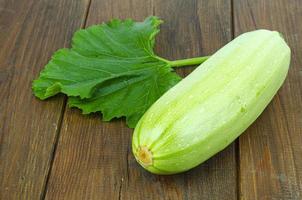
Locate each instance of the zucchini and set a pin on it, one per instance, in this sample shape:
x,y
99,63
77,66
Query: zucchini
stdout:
x,y
212,106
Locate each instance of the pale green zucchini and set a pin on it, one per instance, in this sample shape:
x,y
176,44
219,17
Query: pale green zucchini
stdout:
x,y
212,106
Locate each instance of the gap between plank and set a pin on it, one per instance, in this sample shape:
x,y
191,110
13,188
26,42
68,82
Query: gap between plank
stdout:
x,y
237,148
57,136
60,121
232,19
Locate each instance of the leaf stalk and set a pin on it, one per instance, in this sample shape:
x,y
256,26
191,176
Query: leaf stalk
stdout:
x,y
184,62
188,61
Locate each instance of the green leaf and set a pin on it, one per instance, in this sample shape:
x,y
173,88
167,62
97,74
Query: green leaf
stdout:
x,y
110,68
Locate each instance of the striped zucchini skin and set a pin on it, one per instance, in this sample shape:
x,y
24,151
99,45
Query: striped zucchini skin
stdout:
x,y
212,106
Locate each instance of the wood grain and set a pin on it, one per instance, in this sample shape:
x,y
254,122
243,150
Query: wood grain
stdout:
x,y
94,159
270,150
30,31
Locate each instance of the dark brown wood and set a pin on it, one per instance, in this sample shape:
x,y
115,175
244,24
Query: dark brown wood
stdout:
x,y
270,150
94,159
30,31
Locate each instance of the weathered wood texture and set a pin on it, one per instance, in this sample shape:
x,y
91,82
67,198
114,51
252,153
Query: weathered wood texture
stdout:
x,y
94,159
270,150
30,31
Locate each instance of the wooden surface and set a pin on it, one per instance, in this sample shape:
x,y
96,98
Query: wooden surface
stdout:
x,y
30,31
48,151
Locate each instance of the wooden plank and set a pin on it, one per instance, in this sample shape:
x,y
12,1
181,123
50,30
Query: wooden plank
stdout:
x,y
91,161
193,28
94,159
30,32
270,150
